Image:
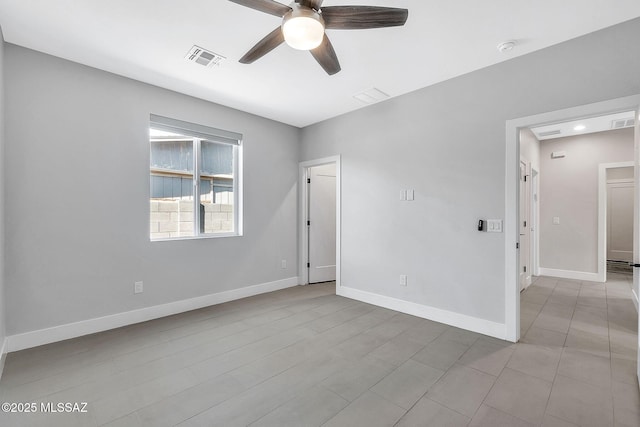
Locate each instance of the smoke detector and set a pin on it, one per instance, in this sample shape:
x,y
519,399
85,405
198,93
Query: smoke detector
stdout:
x,y
204,57
506,46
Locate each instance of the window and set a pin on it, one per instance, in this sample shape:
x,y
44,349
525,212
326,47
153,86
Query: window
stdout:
x,y
187,159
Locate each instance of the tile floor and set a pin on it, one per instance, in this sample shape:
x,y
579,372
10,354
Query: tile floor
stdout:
x,y
306,357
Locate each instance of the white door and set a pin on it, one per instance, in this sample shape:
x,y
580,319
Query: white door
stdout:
x,y
322,223
620,221
525,250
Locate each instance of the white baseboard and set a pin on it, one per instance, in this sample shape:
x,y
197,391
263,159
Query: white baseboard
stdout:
x,y
568,274
482,326
99,324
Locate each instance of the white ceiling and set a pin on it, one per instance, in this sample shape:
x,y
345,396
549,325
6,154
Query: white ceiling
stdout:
x,y
147,40
585,125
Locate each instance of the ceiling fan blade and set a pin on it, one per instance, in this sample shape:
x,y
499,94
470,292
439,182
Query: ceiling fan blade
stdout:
x,y
264,46
326,56
267,6
363,17
313,4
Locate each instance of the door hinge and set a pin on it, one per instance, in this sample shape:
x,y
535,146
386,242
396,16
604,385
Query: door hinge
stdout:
x,y
308,180
308,265
525,223
517,245
525,178
525,268
308,223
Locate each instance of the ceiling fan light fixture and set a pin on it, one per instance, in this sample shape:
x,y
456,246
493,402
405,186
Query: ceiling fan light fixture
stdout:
x,y
303,28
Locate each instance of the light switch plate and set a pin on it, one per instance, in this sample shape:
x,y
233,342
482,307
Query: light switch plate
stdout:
x,y
138,287
556,220
494,225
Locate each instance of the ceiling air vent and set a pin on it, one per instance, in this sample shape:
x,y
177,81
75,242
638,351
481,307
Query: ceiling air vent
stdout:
x,y
622,123
204,57
371,96
549,133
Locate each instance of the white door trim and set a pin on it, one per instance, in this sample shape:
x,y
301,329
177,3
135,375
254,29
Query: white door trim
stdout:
x,y
511,230
602,215
303,249
535,219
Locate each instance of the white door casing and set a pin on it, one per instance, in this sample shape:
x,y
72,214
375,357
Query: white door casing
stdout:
x,y
525,224
535,218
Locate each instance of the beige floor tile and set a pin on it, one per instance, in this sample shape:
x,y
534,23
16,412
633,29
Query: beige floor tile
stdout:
x,y
441,353
462,389
588,342
520,395
405,385
487,356
429,413
624,369
368,410
537,361
397,351
580,403
355,378
587,367
491,417
550,421
544,337
313,407
626,404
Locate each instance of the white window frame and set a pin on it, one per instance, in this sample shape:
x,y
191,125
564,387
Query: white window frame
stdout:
x,y
201,133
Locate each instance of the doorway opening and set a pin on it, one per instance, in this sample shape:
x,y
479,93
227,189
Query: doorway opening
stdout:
x,y
319,224
512,197
616,201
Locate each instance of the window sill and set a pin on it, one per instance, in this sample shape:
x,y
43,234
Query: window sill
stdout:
x,y
204,236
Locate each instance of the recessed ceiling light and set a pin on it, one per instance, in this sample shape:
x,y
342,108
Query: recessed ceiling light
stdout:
x,y
579,128
506,46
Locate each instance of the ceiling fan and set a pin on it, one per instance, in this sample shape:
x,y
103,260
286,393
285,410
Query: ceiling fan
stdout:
x,y
304,23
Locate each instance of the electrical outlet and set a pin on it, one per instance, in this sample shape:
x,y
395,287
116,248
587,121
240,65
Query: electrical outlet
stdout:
x,y
403,280
283,263
138,287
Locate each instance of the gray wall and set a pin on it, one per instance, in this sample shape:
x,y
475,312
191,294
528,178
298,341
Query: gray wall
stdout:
x,y
2,203
569,190
77,141
447,142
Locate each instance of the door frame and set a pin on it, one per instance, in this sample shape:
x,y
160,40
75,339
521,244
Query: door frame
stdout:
x,y
512,158
602,216
527,203
535,218
303,212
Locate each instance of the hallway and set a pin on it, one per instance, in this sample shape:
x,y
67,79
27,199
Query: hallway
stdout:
x,y
582,336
